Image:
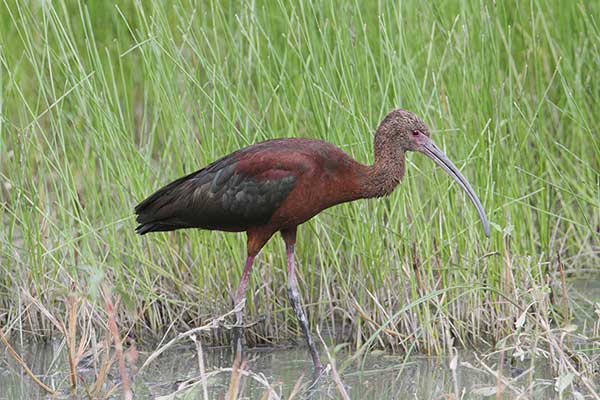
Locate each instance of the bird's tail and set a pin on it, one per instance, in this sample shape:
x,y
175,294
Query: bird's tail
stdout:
x,y
144,228
159,212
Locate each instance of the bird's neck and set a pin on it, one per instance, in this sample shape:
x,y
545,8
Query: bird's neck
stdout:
x,y
384,175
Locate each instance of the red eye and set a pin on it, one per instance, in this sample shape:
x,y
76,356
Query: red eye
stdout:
x,y
416,132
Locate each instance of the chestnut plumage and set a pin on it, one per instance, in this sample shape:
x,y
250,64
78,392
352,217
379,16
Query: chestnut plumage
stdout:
x,y
276,185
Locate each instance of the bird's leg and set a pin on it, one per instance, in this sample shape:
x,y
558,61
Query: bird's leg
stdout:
x,y
240,294
289,236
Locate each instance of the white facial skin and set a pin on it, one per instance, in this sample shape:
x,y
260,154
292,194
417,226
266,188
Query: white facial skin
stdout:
x,y
413,135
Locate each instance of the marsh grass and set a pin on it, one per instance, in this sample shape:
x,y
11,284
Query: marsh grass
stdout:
x,y
100,104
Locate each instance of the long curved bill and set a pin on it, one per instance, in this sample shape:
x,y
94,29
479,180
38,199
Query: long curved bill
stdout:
x,y
432,151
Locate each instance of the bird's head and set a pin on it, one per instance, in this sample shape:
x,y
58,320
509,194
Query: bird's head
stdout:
x,y
402,131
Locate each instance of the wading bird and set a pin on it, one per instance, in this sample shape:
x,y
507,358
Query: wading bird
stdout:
x,y
276,185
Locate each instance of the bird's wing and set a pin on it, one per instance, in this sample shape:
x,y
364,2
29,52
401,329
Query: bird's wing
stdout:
x,y
232,193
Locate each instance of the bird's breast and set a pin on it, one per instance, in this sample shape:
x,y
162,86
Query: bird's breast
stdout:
x,y
316,190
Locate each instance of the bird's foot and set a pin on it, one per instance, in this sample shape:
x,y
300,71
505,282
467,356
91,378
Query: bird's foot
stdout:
x,y
321,370
318,373
237,342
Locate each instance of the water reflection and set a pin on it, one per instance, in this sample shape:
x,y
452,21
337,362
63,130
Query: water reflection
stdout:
x,y
380,377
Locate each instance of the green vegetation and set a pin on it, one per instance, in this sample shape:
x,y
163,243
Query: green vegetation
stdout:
x,y
101,104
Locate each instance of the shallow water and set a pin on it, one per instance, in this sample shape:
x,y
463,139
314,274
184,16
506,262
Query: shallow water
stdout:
x,y
378,376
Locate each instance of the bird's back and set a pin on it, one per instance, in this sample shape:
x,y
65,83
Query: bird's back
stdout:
x,y
240,190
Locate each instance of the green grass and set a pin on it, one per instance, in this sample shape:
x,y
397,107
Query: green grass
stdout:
x,y
101,104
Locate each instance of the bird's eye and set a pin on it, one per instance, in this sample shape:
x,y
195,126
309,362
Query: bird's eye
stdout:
x,y
416,132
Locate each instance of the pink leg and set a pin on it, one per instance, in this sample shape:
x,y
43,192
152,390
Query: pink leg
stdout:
x,y
240,294
289,236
